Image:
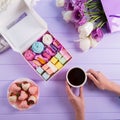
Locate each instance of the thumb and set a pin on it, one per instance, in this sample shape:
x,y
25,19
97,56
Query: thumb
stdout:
x,y
81,92
69,91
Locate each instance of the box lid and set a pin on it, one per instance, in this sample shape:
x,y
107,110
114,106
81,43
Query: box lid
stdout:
x,y
21,25
112,11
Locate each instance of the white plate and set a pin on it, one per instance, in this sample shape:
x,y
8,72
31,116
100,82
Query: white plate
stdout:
x,y
22,80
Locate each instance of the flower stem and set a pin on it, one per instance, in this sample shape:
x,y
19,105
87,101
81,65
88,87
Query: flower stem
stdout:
x,y
95,12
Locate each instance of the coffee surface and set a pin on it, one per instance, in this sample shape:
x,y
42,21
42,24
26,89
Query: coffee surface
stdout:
x,y
76,76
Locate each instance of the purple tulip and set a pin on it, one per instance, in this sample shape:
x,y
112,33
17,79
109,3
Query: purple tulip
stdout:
x,y
77,15
76,3
72,4
80,23
97,34
68,6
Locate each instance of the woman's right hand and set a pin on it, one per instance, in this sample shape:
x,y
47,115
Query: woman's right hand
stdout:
x,y
100,80
103,82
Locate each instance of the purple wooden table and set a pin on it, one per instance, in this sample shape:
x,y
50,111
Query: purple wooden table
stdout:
x,y
53,103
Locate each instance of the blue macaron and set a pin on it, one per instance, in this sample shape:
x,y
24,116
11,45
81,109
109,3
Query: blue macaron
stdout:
x,y
37,47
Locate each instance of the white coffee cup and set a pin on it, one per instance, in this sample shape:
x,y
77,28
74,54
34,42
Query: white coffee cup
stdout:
x,y
76,77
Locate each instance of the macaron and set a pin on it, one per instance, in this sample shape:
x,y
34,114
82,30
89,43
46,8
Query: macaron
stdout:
x,y
29,55
37,47
41,59
57,44
35,63
49,51
46,55
47,39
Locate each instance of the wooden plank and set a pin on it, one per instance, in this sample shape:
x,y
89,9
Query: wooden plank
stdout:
x,y
65,116
11,72
57,89
60,105
94,56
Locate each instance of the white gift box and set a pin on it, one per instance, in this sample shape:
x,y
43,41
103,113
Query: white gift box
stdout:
x,y
21,26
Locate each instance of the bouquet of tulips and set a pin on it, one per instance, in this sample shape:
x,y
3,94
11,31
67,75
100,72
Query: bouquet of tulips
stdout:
x,y
88,18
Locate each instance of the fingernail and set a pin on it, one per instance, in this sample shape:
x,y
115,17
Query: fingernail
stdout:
x,y
88,73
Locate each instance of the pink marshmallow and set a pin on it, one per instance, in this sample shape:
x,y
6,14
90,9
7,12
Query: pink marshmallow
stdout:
x,y
23,104
33,90
63,52
67,56
23,95
14,88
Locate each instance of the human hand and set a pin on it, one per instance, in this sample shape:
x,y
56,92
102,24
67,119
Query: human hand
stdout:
x,y
77,102
100,80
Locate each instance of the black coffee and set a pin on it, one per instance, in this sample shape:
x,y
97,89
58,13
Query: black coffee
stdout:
x,y
76,76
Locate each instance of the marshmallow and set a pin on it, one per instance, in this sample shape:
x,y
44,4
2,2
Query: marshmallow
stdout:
x,y
23,105
25,86
49,71
54,60
33,90
63,60
32,100
39,70
13,98
67,56
53,68
46,76
23,95
45,67
58,65
58,56
14,88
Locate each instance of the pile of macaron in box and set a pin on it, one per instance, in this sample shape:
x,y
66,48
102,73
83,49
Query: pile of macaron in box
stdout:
x,y
47,56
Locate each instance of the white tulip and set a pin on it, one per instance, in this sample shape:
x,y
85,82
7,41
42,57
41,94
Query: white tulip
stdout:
x,y
67,15
82,35
60,3
84,44
93,42
85,29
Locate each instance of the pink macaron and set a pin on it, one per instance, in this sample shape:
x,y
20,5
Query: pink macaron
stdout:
x,y
29,55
